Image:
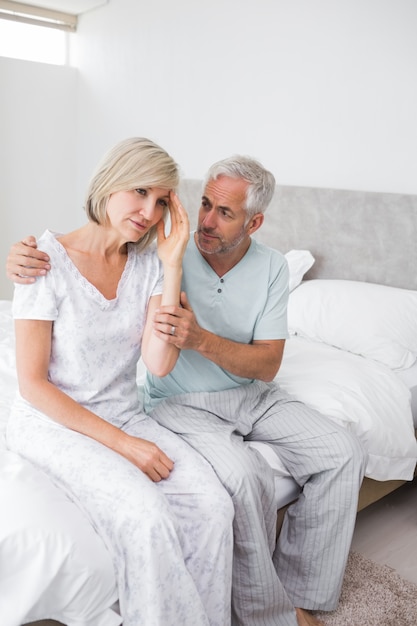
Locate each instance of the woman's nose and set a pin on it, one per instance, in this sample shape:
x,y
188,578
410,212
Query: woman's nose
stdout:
x,y
147,209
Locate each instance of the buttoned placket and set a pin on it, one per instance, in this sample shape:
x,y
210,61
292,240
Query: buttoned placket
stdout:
x,y
219,289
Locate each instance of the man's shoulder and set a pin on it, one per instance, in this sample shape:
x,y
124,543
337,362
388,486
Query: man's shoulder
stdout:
x,y
192,253
260,249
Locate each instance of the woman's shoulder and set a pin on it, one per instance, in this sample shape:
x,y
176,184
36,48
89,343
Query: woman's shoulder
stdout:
x,y
48,239
49,243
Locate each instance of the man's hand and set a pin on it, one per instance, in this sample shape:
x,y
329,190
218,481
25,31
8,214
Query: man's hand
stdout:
x,y
178,325
25,262
259,359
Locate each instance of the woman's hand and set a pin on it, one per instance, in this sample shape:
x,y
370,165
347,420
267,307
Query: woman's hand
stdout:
x,y
171,248
147,457
160,356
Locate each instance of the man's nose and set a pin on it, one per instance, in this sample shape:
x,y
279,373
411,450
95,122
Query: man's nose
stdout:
x,y
209,220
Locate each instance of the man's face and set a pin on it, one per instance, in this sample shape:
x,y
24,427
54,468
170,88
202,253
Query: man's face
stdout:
x,y
221,219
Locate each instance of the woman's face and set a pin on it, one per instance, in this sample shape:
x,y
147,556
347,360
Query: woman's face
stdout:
x,y
134,212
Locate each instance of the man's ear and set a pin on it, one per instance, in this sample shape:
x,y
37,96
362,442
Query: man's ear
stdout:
x,y
255,222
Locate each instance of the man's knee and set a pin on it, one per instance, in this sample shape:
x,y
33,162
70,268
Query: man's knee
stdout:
x,y
352,452
248,477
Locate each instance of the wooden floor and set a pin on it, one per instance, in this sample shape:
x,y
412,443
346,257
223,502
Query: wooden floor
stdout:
x,y
386,531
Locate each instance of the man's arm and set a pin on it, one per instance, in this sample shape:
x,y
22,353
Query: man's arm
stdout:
x,y
259,359
25,262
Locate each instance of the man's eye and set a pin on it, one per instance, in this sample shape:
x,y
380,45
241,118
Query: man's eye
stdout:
x,y
141,191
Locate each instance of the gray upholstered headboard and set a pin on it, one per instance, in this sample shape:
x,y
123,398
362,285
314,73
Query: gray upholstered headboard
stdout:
x,y
353,235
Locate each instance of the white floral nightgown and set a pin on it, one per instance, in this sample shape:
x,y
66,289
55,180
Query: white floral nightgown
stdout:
x,y
171,542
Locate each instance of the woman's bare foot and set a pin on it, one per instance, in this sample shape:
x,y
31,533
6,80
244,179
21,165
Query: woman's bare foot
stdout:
x,y
305,618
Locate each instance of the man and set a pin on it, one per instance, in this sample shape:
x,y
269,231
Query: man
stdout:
x,y
231,329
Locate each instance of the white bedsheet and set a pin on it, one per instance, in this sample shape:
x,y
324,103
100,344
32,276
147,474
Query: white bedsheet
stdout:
x,y
363,395
409,377
52,562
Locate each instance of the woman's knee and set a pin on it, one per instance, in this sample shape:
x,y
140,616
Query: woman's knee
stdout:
x,y
216,506
139,523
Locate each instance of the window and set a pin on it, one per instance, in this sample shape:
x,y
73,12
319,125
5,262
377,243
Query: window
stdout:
x,y
33,43
34,33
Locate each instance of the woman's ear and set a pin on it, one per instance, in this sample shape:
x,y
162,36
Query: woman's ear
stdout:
x,y
255,222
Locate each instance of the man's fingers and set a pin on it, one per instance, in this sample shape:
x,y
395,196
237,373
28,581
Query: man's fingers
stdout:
x,y
30,241
25,267
27,249
184,301
29,260
16,270
38,269
21,280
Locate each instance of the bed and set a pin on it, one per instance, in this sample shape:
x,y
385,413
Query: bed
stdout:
x,y
351,354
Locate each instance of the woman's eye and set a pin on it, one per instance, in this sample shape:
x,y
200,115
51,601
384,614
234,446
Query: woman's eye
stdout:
x,y
163,203
141,191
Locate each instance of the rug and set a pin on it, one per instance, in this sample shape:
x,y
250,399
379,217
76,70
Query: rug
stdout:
x,y
373,595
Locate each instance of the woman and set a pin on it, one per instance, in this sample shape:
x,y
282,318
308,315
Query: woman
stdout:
x,y
80,331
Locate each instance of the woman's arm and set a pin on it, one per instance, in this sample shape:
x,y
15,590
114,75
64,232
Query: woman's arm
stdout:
x,y
33,348
158,355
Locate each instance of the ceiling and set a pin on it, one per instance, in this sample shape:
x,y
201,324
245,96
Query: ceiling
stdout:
x,y
74,7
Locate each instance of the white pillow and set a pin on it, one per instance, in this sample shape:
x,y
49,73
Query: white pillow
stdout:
x,y
374,321
299,262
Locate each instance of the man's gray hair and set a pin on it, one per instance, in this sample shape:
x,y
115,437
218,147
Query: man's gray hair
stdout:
x,y
261,181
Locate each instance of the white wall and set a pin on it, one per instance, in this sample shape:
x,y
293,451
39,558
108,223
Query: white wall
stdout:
x,y
324,92
37,153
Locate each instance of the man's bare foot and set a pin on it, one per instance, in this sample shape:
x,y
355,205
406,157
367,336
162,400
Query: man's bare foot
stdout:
x,y
305,618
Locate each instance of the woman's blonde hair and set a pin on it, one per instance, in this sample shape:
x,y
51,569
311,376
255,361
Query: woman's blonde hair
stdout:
x,y
131,164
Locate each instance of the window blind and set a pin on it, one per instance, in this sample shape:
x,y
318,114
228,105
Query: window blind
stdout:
x,y
21,12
